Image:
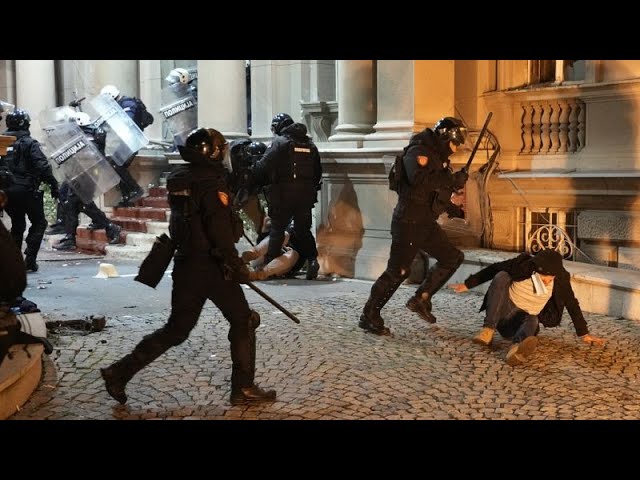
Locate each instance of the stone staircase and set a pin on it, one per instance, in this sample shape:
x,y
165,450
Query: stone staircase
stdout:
x,y
140,226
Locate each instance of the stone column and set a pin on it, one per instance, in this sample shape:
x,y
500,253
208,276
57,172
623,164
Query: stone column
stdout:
x,y
412,95
35,89
7,86
150,93
121,73
222,95
356,101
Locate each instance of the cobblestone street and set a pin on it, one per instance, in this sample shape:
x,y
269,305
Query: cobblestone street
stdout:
x,y
328,368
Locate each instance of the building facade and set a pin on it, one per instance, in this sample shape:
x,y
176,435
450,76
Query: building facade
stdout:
x,y
568,170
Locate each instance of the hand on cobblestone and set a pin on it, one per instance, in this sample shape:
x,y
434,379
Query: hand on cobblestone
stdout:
x,y
590,339
458,287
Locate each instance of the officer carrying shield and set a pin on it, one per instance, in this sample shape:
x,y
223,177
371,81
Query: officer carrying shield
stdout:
x,y
204,229
73,205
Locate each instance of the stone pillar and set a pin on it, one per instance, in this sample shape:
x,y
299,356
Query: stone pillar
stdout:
x,y
277,86
356,101
222,95
150,93
35,89
7,86
121,73
412,95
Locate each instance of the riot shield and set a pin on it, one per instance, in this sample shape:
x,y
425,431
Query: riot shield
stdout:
x,y
124,138
179,111
6,107
74,157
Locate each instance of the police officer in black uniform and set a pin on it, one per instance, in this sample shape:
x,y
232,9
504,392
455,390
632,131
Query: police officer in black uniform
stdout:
x,y
73,205
244,154
414,224
204,229
29,167
292,168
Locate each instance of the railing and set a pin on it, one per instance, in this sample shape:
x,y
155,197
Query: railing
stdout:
x,y
553,126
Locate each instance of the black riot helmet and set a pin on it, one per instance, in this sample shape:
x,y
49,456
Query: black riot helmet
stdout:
x,y
204,145
18,120
452,130
279,122
256,149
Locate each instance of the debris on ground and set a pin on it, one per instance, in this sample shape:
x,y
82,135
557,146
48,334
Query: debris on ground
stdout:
x,y
94,323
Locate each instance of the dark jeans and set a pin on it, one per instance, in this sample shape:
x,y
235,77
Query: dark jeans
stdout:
x,y
510,321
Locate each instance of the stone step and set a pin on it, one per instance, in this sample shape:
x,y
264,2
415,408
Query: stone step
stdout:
x,y
126,252
158,192
131,224
157,202
141,239
158,228
149,213
95,241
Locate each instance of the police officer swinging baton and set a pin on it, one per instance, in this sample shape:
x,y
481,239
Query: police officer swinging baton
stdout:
x,y
475,148
272,302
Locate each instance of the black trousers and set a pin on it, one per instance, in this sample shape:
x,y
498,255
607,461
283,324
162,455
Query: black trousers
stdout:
x,y
194,281
281,215
29,203
73,206
406,240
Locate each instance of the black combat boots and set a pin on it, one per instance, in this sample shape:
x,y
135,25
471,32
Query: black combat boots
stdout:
x,y
252,394
312,269
422,307
114,384
371,321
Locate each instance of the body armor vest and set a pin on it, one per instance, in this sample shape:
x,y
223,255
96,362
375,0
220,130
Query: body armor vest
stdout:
x,y
17,161
299,168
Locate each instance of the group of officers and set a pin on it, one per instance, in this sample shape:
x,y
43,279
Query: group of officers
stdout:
x,y
219,179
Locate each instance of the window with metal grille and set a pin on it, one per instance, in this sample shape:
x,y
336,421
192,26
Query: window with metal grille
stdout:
x,y
549,228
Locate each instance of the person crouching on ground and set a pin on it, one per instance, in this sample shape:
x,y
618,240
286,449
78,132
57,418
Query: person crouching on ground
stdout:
x,y
525,291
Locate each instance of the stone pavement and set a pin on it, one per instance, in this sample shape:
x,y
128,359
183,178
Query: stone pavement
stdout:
x,y
328,368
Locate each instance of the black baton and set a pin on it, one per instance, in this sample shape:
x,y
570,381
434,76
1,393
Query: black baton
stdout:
x,y
273,302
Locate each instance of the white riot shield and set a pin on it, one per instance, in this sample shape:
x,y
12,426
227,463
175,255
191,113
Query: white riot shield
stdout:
x,y
74,158
124,138
179,111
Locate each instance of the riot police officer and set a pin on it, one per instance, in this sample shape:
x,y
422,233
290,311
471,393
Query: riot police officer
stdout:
x,y
292,168
179,78
29,167
204,229
73,205
129,187
244,154
426,174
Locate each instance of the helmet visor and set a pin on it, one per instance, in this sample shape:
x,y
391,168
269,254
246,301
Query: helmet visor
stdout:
x,y
457,135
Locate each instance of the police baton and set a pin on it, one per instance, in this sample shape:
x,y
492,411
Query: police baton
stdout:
x,y
475,148
248,239
273,302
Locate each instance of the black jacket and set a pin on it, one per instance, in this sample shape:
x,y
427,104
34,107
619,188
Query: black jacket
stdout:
x,y
28,164
521,268
292,166
426,168
203,224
